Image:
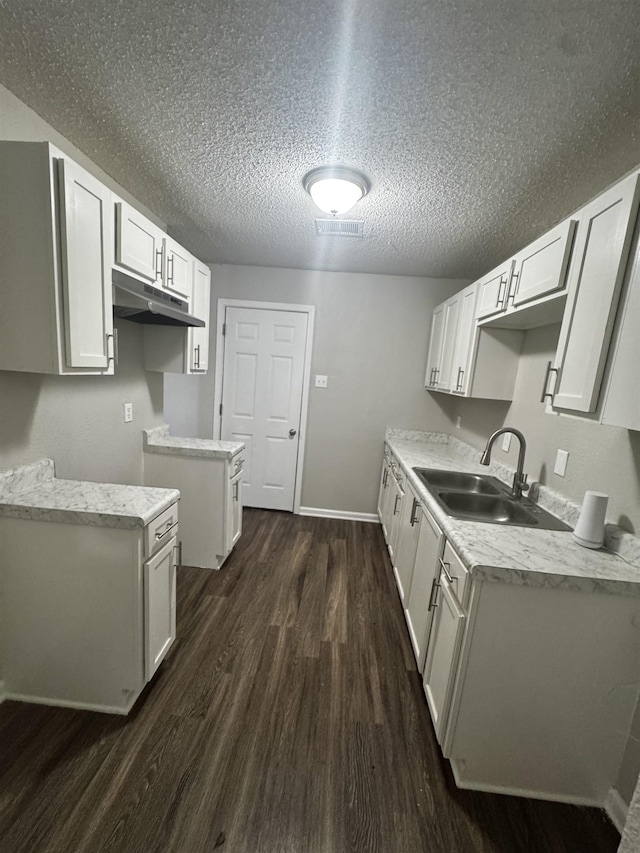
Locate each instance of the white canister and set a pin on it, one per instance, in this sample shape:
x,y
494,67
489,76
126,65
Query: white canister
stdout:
x,y
589,530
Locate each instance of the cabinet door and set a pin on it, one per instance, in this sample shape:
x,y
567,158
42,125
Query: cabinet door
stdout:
x,y
426,569
85,223
595,278
199,338
541,268
394,515
234,512
622,403
408,530
463,350
383,496
138,243
493,289
435,346
451,316
178,269
159,606
442,655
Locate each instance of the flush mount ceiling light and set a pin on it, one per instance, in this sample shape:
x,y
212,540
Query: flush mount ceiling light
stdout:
x,y
335,189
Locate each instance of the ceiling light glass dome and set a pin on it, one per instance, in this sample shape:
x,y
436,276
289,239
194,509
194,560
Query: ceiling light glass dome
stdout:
x,y
335,189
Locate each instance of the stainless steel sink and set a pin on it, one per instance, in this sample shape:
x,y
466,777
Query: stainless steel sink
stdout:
x,y
476,497
459,481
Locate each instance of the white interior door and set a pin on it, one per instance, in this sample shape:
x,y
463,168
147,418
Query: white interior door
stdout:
x,y
262,389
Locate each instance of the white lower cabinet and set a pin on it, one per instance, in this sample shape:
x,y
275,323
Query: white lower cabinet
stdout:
x,y
407,543
210,502
87,613
446,637
159,606
418,612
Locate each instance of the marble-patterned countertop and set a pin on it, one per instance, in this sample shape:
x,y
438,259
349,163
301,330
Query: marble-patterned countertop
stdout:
x,y
34,492
518,555
158,440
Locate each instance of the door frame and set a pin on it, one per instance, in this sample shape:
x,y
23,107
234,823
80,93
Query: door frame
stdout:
x,y
310,311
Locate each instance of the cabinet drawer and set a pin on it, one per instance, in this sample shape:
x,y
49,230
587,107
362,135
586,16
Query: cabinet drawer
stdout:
x,y
236,465
456,573
160,530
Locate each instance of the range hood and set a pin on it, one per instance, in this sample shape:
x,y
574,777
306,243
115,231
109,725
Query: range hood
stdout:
x,y
141,303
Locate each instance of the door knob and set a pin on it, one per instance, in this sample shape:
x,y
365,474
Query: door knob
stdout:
x,y
292,432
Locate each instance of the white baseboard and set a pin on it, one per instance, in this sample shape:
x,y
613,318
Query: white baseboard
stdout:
x,y
339,513
617,809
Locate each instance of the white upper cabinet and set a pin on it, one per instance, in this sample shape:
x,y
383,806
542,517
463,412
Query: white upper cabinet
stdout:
x,y
597,268
435,346
178,269
55,244
541,268
144,250
451,316
199,337
138,243
622,401
463,348
493,290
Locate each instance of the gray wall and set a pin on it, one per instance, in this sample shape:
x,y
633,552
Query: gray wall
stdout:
x,y
370,338
601,457
76,420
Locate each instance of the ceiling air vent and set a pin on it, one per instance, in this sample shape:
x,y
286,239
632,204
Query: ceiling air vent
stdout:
x,y
340,227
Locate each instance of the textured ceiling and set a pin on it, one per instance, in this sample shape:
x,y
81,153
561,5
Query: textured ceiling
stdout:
x,y
479,123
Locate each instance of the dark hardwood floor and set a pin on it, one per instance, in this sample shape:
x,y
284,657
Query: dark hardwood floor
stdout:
x,y
288,718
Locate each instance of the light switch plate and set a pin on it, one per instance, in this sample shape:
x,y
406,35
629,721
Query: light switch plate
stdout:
x,y
321,381
506,442
128,412
561,462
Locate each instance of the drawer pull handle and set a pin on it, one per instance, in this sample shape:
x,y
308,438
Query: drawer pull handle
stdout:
x,y
395,506
169,527
501,299
445,568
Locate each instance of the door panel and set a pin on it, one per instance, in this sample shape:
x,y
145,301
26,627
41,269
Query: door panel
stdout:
x,y
86,238
263,373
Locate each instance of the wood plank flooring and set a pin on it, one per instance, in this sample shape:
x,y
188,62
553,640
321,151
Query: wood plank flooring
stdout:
x,y
288,718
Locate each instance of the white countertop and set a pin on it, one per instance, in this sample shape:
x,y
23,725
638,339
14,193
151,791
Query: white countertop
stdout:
x,y
519,555
34,492
158,440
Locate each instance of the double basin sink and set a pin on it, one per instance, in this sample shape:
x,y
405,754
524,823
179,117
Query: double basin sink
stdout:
x,y
478,497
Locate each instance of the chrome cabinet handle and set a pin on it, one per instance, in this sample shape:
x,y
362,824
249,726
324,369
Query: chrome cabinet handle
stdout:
x,y
515,280
169,527
436,373
158,263
385,478
170,269
550,370
431,376
178,548
236,491
445,568
460,379
414,518
395,506
114,347
433,603
500,300
196,356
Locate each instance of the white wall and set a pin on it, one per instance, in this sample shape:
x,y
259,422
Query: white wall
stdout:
x,y
601,457
76,420
370,339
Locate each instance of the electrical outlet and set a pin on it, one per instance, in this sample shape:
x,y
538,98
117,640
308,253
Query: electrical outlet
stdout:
x,y
128,412
506,442
458,422
321,381
561,462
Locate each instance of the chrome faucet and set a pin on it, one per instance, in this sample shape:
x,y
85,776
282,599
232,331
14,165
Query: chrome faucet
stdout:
x,y
520,484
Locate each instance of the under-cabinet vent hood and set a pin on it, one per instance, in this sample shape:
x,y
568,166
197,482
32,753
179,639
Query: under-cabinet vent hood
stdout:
x,y
134,300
